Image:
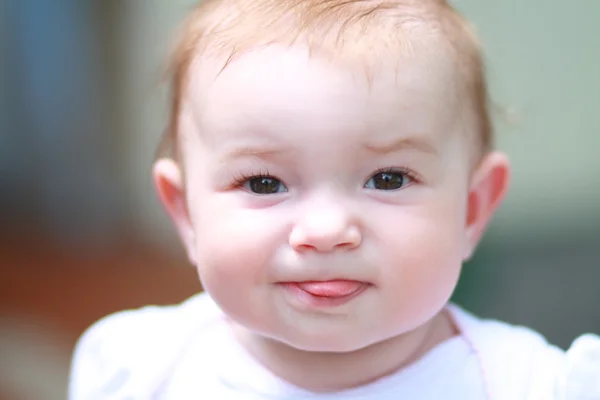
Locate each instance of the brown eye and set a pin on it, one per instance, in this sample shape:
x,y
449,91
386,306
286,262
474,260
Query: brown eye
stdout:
x,y
264,185
387,180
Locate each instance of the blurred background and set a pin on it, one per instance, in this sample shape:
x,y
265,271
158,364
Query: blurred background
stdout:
x,y
82,107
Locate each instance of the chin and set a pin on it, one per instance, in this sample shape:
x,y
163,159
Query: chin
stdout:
x,y
335,343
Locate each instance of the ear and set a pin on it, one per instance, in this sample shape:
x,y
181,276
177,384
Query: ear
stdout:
x,y
488,188
168,183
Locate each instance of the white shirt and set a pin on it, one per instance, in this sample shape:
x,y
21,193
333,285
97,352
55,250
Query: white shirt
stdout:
x,y
188,352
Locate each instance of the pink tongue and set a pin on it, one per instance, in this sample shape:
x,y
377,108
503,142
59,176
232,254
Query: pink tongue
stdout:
x,y
330,288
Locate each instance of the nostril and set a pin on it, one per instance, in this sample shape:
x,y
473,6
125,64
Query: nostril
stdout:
x,y
344,246
305,247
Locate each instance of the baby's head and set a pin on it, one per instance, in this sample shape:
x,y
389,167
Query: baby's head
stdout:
x,y
334,163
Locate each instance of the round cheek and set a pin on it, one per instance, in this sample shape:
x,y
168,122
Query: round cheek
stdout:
x,y
424,281
235,252
423,264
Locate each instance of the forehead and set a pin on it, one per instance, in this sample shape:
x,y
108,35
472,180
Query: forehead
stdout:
x,y
277,90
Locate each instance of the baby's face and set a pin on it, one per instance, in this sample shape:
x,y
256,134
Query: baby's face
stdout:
x,y
328,211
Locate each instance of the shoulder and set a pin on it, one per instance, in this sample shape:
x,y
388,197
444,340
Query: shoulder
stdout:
x,y
116,351
520,363
579,376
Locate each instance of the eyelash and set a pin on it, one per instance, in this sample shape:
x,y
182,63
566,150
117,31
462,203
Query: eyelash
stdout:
x,y
413,176
242,178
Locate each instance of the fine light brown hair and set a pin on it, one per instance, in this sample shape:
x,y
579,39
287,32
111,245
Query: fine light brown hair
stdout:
x,y
363,29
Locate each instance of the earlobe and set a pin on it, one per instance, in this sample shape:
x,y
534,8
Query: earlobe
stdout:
x,y
168,183
487,190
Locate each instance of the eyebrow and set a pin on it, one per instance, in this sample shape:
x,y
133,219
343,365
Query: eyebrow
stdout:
x,y
396,145
252,151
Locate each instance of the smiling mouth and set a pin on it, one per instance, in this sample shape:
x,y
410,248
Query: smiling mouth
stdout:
x,y
331,289
326,293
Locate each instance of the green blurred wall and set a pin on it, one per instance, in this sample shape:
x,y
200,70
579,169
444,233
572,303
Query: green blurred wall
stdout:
x,y
544,71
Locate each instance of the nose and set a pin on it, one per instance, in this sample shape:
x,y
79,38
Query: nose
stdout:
x,y
325,229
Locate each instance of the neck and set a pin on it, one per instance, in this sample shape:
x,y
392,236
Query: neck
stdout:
x,y
332,372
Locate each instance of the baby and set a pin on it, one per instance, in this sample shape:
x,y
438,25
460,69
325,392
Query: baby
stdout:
x,y
333,167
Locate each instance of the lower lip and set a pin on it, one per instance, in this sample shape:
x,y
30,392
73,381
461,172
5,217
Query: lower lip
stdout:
x,y
322,301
